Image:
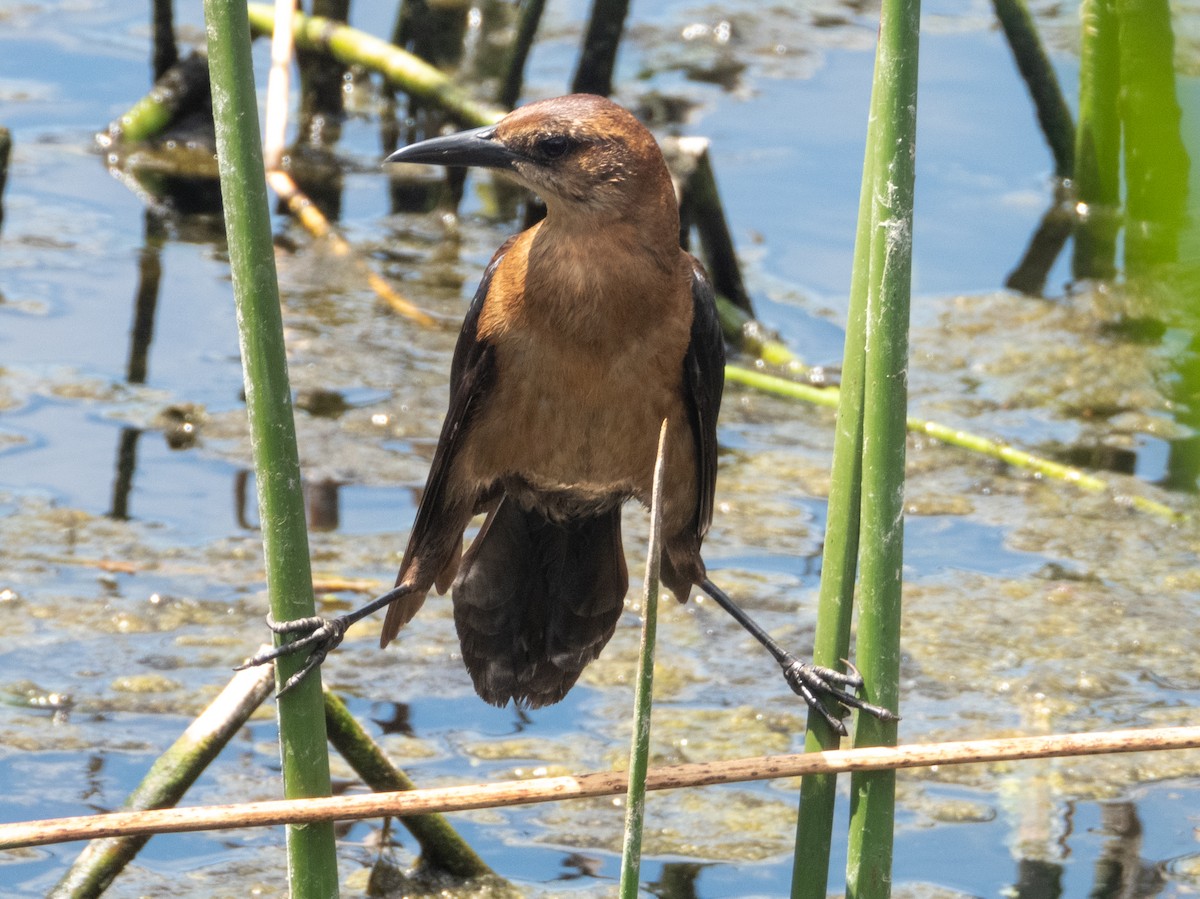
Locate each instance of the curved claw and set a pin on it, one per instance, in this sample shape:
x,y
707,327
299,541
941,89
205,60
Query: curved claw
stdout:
x,y
831,676
812,681
315,658
321,634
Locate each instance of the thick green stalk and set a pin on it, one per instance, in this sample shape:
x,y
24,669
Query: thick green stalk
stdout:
x,y
1097,142
643,703
873,794
831,643
312,863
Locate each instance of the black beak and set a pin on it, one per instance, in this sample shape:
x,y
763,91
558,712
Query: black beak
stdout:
x,y
478,147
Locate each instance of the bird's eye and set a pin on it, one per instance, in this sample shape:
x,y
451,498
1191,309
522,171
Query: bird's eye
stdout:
x,y
553,147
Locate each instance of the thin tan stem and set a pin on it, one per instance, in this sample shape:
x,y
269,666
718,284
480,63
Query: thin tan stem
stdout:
x,y
549,789
278,87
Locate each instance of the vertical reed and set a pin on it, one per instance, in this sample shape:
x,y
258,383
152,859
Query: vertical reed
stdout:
x,y
639,747
865,524
312,864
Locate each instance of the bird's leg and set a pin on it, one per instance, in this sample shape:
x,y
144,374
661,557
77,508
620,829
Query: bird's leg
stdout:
x,y
319,635
809,681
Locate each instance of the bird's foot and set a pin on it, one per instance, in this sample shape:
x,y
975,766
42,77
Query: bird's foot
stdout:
x,y
812,682
319,635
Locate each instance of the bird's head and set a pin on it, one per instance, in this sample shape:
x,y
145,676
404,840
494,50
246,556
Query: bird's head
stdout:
x,y
584,155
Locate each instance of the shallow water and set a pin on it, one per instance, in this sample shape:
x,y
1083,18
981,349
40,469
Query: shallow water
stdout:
x,y
1030,608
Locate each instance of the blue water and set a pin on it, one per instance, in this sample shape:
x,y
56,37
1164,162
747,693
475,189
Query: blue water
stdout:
x,y
787,150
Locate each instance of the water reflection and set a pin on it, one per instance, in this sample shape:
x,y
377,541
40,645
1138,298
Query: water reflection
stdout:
x,y
1038,879
677,880
1183,456
322,504
580,865
1053,231
123,482
393,718
1118,872
145,299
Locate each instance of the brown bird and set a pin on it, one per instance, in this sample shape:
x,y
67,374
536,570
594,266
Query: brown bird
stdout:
x,y
587,331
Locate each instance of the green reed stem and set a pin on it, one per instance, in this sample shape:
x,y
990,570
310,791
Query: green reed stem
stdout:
x,y
873,794
868,472
639,749
839,564
312,863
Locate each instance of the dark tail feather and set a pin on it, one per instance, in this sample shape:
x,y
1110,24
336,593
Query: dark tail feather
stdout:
x,y
536,601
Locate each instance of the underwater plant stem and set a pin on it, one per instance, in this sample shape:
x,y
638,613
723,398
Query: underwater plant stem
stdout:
x,y
312,862
1034,65
528,19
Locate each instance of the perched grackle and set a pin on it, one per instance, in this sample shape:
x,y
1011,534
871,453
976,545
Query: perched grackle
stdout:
x,y
587,331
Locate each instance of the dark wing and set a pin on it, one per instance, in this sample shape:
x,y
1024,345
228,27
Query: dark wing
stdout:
x,y
703,381
436,538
